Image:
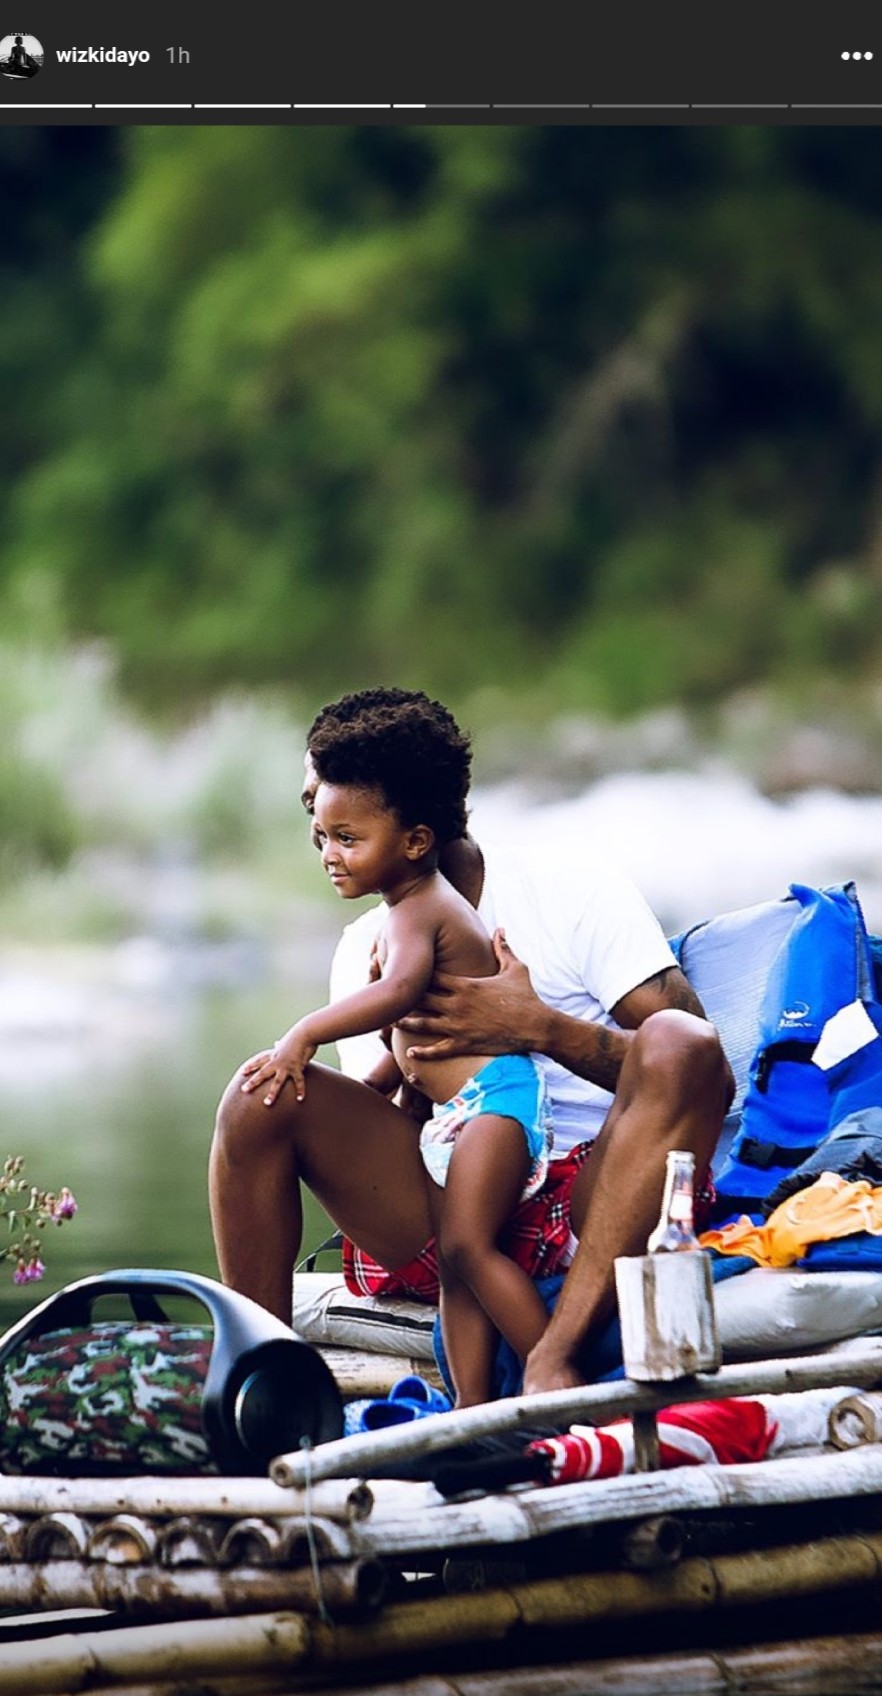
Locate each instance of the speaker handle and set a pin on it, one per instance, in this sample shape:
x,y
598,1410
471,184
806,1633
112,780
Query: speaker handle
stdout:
x,y
238,1321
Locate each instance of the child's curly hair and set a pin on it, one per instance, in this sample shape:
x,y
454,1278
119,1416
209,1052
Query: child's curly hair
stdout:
x,y
362,701
405,745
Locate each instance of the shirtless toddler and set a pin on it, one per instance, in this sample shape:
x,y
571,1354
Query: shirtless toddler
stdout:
x,y
391,793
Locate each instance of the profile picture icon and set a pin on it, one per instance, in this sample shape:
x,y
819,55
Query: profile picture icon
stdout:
x,y
21,56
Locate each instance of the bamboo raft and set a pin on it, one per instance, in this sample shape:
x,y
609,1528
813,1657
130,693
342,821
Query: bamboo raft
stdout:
x,y
323,1577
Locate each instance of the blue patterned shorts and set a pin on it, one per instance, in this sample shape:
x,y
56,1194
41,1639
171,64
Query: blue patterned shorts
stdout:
x,y
510,1085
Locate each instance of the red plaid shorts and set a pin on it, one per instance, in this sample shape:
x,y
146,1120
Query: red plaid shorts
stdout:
x,y
538,1238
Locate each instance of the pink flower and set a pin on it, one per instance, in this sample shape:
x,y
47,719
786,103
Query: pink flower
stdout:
x,y
27,1209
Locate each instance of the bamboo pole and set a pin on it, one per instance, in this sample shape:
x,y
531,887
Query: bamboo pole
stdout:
x,y
56,1536
546,1605
251,1542
483,1572
183,1649
403,1521
366,1372
153,1592
697,1585
595,1403
12,1535
124,1540
262,1644
189,1541
821,1663
329,1541
657,1541
856,1420
167,1498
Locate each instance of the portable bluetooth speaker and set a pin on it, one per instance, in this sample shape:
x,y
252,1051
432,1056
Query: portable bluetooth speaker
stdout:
x,y
151,1394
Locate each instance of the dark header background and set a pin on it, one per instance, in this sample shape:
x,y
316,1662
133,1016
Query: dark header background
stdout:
x,y
392,62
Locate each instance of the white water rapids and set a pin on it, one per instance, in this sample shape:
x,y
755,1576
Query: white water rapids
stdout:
x,y
698,844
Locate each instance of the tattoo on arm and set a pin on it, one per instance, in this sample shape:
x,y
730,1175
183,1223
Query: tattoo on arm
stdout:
x,y
596,1052
675,991
607,1060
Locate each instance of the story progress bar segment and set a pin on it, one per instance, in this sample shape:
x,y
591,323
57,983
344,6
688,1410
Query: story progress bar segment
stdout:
x,y
439,106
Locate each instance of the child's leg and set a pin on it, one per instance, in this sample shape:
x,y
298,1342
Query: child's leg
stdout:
x,y
469,1335
487,1173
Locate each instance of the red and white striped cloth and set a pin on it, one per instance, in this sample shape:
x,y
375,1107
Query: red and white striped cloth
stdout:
x,y
689,1434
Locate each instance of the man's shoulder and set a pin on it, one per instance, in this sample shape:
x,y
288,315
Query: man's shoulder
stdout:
x,y
351,958
367,923
563,873
357,937
570,890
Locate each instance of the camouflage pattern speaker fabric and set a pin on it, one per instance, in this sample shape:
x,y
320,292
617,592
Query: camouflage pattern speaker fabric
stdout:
x,y
112,1397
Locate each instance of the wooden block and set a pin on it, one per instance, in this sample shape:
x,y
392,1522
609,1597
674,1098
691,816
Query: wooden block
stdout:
x,y
666,1307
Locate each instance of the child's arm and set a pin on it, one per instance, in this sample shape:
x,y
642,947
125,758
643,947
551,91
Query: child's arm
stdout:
x,y
407,973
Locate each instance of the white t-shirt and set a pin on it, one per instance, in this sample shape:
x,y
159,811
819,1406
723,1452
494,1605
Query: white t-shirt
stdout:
x,y
586,934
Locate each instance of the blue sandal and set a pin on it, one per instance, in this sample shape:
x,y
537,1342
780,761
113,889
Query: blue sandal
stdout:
x,y
409,1399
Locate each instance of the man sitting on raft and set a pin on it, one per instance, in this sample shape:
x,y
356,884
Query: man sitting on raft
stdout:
x,y
632,1069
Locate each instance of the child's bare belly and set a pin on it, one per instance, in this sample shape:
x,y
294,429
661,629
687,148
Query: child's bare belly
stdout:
x,y
438,1079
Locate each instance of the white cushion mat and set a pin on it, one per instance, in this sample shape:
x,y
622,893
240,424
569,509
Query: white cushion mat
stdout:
x,y
325,1312
760,1313
767,1313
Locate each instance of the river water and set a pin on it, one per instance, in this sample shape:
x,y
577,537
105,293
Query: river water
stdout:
x,y
127,1126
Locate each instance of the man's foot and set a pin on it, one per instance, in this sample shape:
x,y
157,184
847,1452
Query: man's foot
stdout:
x,y
546,1370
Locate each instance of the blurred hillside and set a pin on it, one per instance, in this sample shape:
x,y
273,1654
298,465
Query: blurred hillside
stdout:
x,y
551,421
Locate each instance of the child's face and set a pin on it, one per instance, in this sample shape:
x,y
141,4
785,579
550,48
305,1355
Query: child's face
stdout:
x,y
363,845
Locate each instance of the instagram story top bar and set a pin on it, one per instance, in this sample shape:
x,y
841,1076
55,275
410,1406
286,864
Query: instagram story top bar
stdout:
x,y
397,61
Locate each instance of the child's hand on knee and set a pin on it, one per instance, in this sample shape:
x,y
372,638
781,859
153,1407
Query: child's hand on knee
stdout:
x,y
287,1062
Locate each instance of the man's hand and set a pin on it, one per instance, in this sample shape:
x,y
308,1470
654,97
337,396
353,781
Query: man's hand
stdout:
x,y
498,1015
275,1067
545,1369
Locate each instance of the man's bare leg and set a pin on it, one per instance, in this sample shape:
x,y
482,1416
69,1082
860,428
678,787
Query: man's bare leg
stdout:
x,y
673,1092
356,1151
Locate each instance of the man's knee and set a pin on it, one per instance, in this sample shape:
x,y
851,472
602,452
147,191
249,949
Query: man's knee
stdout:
x,y
680,1057
243,1125
230,1133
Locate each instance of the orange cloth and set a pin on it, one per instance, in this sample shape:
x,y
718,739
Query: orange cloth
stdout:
x,y
830,1207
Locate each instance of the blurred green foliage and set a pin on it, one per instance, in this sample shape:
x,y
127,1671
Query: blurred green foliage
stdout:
x,y
593,414
88,782
36,823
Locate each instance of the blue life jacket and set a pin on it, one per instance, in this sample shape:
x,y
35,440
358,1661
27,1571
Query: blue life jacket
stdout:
x,y
822,964
874,943
855,1086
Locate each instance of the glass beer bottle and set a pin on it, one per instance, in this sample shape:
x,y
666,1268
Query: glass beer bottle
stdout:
x,y
675,1230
